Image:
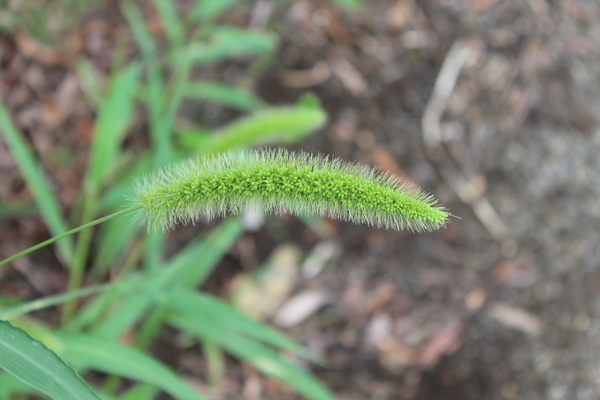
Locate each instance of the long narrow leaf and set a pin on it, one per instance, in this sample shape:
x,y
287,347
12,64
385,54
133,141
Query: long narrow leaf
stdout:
x,y
171,23
139,28
278,123
89,352
49,301
140,392
113,120
35,364
10,384
229,42
192,264
37,183
118,234
91,82
260,356
209,9
207,308
222,94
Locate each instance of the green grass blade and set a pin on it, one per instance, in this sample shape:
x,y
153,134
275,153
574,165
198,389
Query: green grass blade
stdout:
x,y
30,168
113,120
128,311
208,308
140,392
139,28
260,356
215,358
236,41
191,139
209,9
115,196
49,301
289,124
91,83
171,23
229,42
35,364
155,91
9,384
193,264
196,262
109,245
19,209
145,40
114,239
184,267
222,94
90,352
92,312
351,4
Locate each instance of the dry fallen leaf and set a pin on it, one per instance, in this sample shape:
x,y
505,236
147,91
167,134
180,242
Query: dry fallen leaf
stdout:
x,y
258,295
445,342
300,307
516,318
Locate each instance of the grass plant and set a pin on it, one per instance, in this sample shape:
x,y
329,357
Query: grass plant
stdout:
x,y
146,290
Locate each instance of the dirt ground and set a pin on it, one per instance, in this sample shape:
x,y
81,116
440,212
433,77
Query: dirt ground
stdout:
x,y
491,106
488,104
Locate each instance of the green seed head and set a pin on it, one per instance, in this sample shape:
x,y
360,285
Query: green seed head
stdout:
x,y
283,182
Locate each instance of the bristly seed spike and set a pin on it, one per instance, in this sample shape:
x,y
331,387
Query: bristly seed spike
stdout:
x,y
283,182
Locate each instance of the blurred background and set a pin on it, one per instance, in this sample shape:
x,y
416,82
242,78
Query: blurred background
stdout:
x,y
490,105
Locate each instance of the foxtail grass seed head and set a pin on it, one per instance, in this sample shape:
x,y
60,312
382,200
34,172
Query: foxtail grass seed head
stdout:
x,y
282,182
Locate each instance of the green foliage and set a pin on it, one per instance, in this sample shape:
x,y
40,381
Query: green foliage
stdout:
x,y
47,21
42,192
92,352
186,307
350,3
271,125
147,290
33,363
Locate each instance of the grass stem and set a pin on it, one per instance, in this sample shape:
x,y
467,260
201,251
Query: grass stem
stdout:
x,y
68,233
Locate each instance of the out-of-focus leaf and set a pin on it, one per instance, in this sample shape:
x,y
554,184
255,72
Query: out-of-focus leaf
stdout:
x,y
353,4
116,195
226,318
192,139
287,124
215,358
229,42
35,364
210,9
171,23
36,182
18,209
92,85
90,352
113,120
10,384
222,94
20,309
191,265
140,392
139,28
260,356
115,237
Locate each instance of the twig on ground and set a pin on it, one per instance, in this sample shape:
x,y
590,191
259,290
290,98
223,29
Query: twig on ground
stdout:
x,y
455,177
